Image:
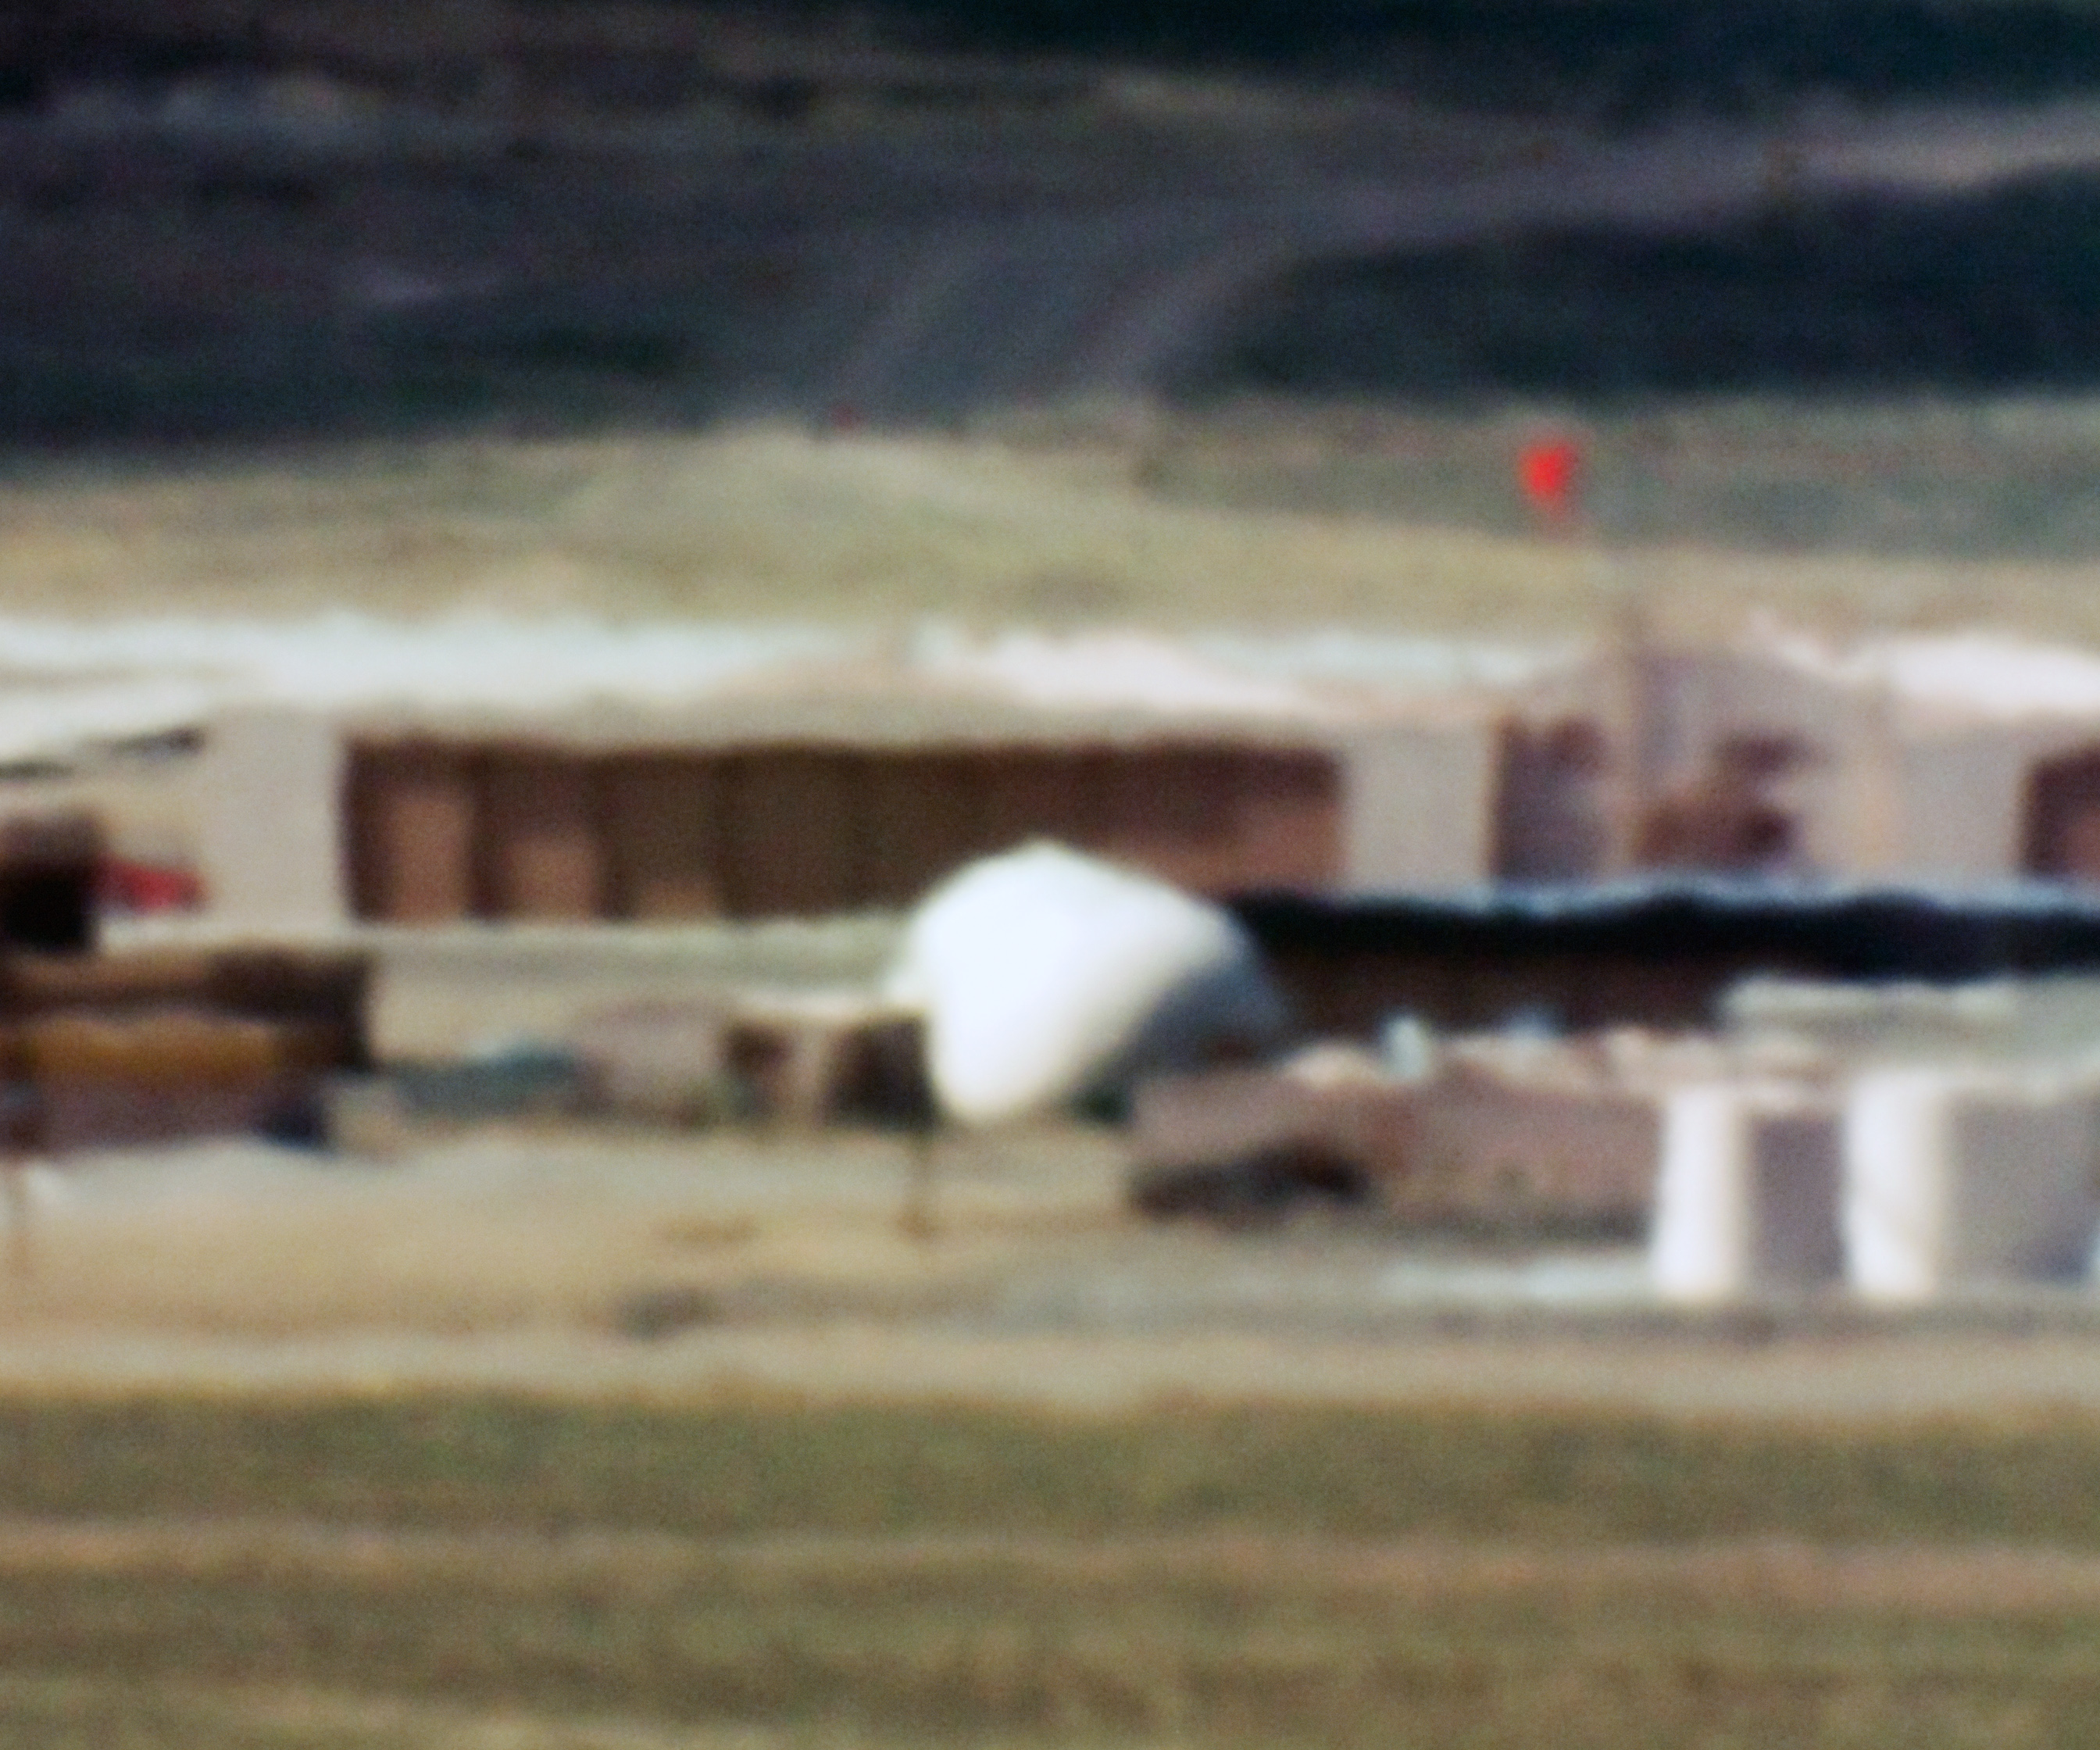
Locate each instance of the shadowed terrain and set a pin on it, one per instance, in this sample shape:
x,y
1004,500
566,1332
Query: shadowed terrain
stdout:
x,y
323,226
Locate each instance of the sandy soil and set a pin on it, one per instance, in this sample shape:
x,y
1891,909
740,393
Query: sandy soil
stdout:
x,y
574,1263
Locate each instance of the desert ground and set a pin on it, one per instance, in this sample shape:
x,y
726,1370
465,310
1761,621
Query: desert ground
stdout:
x,y
548,1436
540,1436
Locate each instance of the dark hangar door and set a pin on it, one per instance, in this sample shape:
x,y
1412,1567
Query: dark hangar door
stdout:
x,y
2062,824
439,833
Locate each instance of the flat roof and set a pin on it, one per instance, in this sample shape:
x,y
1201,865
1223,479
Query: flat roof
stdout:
x,y
67,685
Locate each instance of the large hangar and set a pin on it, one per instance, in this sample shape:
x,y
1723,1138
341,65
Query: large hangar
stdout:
x,y
311,776
852,785
839,787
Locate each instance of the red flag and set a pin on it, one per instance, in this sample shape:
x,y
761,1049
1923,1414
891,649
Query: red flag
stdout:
x,y
1549,472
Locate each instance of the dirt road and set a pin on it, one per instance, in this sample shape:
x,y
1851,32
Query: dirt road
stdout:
x,y
544,1261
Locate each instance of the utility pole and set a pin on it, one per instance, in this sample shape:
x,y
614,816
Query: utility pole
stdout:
x,y
1551,473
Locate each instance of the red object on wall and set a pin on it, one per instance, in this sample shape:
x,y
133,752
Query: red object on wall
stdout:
x,y
1549,473
125,886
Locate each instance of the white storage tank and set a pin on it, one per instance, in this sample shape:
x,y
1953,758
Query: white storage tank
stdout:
x,y
1747,1197
1958,1177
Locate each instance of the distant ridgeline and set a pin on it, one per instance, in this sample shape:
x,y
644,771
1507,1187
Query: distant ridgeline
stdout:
x,y
1657,953
1844,292
481,268
1612,61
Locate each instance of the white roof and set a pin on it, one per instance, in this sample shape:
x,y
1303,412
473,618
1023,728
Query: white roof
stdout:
x,y
67,685
1992,676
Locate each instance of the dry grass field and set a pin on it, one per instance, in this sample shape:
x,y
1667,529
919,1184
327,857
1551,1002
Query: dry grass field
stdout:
x,y
476,1571
1091,516
532,1438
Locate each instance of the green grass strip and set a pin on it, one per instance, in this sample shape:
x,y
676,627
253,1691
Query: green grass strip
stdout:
x,y
752,1468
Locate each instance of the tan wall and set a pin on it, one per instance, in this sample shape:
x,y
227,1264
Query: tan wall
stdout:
x,y
1419,807
1659,719
464,829
1960,803
1699,700
1480,1147
270,851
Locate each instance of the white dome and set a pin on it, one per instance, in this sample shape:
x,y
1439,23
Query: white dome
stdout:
x,y
1043,975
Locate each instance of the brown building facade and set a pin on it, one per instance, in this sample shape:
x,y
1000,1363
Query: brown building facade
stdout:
x,y
442,830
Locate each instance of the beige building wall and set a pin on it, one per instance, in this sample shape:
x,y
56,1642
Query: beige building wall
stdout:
x,y
1698,700
1960,803
1417,806
269,848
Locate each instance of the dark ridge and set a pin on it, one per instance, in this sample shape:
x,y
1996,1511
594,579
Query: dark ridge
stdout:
x,y
1625,59
1916,933
1850,296
1622,61
1647,953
